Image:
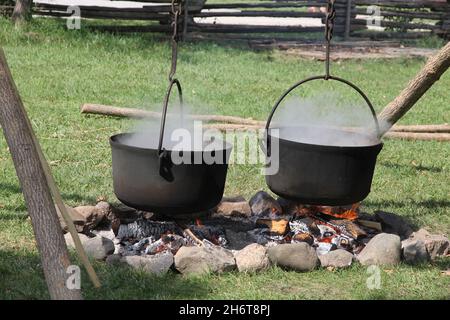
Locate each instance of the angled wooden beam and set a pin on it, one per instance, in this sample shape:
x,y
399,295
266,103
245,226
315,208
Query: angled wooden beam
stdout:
x,y
38,186
416,88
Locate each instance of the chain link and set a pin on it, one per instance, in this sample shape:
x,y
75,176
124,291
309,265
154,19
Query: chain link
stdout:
x,y
329,20
175,13
176,6
329,24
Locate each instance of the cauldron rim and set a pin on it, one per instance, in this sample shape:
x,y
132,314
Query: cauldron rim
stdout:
x,y
324,147
114,141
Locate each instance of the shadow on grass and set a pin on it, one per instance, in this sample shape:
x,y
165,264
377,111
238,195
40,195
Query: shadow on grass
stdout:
x,y
429,204
394,165
15,189
23,278
122,282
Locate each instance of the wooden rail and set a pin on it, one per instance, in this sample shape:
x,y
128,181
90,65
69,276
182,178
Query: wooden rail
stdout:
x,y
400,18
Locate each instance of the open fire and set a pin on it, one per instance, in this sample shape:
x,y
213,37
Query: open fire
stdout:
x,y
267,222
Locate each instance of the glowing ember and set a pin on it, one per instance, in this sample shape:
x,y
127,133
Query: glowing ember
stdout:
x,y
198,223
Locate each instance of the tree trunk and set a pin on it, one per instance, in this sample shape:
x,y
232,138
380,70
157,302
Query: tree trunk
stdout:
x,y
22,11
46,226
416,88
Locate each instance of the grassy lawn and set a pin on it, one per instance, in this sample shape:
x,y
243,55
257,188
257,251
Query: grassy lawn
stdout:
x,y
57,70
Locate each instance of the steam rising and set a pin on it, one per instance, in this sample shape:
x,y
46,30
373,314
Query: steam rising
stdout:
x,y
325,120
179,133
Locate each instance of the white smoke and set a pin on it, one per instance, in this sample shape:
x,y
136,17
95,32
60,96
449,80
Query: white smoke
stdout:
x,y
325,120
181,132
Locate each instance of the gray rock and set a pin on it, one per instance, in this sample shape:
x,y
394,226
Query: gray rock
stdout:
x,y
338,258
263,204
383,249
78,220
155,264
114,259
106,233
199,260
104,208
436,244
98,247
124,214
414,251
295,256
392,223
93,215
69,240
232,209
252,258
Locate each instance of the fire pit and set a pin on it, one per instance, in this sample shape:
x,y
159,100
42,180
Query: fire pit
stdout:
x,y
245,235
252,235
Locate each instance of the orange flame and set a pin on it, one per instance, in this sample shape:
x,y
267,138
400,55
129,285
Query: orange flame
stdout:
x,y
350,214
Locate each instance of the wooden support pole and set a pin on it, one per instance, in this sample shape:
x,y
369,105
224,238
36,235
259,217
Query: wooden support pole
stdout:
x,y
46,226
416,88
38,185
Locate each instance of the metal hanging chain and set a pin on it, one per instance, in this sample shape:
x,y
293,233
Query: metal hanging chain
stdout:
x,y
329,24
176,12
164,163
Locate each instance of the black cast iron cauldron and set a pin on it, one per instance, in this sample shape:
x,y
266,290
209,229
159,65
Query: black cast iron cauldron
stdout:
x,y
321,174
147,178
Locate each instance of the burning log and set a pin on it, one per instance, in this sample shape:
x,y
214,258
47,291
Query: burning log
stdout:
x,y
349,213
212,234
280,227
145,228
340,212
263,204
170,242
371,224
349,228
190,234
303,237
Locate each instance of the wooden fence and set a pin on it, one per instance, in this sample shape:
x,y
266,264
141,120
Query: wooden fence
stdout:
x,y
354,18
405,19
6,10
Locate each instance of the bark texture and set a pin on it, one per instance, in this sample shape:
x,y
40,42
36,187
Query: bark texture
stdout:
x,y
49,236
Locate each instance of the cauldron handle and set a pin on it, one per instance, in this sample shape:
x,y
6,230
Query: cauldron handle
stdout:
x,y
324,77
164,112
164,161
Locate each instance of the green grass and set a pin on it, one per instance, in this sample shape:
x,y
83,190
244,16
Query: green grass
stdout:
x,y
57,70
